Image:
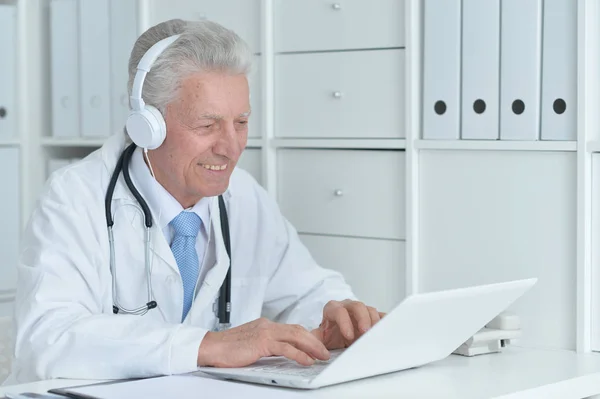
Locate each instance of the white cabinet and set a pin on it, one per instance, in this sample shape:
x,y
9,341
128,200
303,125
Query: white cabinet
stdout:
x,y
343,192
373,268
357,94
313,25
10,226
241,16
340,75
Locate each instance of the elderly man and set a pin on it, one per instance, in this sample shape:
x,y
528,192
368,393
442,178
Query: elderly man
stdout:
x,y
138,257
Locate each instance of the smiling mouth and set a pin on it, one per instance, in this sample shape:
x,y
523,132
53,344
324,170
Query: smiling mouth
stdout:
x,y
214,167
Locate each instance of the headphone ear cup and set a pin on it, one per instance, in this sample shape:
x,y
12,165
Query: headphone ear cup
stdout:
x,y
147,128
159,128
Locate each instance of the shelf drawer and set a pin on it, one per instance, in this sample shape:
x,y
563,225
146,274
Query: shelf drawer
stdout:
x,y
355,193
241,16
340,95
311,25
375,269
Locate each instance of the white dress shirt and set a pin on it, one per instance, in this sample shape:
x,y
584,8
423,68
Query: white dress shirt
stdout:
x,y
165,207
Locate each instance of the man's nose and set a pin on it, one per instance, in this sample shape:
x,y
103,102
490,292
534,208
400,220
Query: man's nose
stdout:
x,y
228,144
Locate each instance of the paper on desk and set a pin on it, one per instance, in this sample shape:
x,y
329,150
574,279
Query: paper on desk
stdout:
x,y
182,387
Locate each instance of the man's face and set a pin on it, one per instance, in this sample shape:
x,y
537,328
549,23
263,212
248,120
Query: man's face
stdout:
x,y
207,130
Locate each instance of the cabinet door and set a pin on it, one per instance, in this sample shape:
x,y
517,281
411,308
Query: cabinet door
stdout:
x,y
375,269
343,192
311,25
340,95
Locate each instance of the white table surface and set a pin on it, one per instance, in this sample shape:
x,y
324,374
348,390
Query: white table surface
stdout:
x,y
515,373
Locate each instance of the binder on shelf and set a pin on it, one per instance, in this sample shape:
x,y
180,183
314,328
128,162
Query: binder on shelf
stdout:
x,y
441,69
94,56
8,60
64,65
123,34
520,69
559,70
480,69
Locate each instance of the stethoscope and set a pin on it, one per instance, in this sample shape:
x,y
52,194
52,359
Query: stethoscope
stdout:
x,y
223,310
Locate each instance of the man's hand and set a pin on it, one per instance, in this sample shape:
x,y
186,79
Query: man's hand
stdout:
x,y
344,322
245,344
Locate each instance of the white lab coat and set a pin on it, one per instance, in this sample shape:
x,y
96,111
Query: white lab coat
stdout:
x,y
65,326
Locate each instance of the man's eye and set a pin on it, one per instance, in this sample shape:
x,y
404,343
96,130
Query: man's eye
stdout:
x,y
207,126
243,122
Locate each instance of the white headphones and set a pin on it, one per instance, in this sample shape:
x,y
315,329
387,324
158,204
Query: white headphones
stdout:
x,y
145,124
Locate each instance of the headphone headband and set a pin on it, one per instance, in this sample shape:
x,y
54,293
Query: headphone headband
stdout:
x,y
144,66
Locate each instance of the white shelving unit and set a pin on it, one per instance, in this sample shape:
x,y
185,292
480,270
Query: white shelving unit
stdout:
x,y
450,238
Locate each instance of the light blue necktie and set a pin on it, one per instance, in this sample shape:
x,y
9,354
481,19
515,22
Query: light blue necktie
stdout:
x,y
186,226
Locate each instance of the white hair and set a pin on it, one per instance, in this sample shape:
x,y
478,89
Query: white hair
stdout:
x,y
204,46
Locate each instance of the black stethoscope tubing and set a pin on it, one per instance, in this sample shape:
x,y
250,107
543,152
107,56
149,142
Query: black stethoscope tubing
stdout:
x,y
224,309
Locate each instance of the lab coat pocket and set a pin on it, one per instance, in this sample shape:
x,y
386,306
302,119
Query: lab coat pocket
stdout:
x,y
247,295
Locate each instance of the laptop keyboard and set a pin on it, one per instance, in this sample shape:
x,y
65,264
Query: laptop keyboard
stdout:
x,y
288,367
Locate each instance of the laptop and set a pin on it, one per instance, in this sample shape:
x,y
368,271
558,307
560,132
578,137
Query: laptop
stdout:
x,y
423,328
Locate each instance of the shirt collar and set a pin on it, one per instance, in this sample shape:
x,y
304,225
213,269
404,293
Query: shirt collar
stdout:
x,y
162,204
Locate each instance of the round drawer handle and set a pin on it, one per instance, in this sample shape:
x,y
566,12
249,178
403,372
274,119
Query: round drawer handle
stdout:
x,y
338,193
336,6
337,94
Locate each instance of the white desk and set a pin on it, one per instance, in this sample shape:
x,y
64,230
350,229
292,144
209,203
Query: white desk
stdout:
x,y
515,373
